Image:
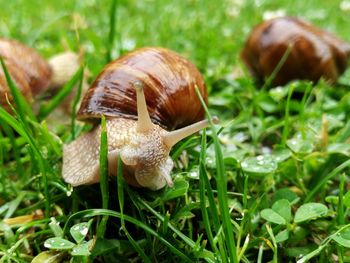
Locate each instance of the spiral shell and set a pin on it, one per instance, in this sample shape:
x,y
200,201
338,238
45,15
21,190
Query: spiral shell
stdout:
x,y
169,82
30,72
314,53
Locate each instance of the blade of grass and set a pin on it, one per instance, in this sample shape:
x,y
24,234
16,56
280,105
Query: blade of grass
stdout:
x,y
274,243
48,107
221,180
16,152
120,181
103,176
142,216
2,154
321,183
203,198
51,139
278,67
104,212
44,26
13,205
305,99
112,26
177,152
76,102
286,128
340,215
22,106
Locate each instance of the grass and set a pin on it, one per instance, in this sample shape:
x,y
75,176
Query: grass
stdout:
x,y
240,190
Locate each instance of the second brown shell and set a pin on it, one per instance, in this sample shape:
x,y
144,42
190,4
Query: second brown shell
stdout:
x,y
169,82
30,72
314,53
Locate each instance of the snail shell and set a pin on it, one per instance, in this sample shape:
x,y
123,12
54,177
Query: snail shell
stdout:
x,y
31,73
144,95
169,82
314,53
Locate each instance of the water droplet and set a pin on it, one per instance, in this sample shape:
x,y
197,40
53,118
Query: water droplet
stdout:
x,y
193,175
260,157
76,228
69,193
47,245
62,244
84,231
261,162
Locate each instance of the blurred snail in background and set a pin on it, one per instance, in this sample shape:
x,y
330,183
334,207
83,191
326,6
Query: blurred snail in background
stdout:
x,y
145,95
31,73
311,53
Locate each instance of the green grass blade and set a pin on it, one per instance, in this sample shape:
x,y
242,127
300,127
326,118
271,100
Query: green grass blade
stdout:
x,y
277,68
286,128
103,176
202,191
76,102
143,217
21,103
48,107
16,152
112,26
324,180
304,101
104,212
2,154
340,211
51,139
120,180
221,180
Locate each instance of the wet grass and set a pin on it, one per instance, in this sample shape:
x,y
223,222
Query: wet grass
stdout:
x,y
269,184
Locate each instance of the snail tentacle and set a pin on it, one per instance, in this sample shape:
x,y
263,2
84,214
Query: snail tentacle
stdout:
x,y
144,122
171,138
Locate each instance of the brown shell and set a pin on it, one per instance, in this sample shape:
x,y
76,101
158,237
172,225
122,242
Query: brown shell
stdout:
x,y
28,69
169,83
314,52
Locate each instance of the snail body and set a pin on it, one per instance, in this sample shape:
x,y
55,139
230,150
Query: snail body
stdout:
x,y
144,95
311,53
31,73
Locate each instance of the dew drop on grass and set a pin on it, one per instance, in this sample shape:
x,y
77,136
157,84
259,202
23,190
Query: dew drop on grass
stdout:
x,y
261,164
47,245
260,158
193,175
69,193
84,231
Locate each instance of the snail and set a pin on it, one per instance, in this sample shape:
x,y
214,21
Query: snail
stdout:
x,y
310,52
32,74
144,95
